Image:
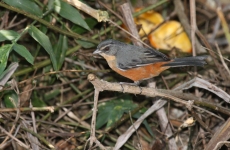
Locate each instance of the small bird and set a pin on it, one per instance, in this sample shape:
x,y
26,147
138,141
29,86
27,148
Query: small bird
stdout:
x,y
138,63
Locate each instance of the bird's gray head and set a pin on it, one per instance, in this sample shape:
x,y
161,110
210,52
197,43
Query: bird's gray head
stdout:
x,y
109,47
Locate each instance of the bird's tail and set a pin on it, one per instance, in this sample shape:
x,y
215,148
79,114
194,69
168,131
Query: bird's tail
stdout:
x,y
187,61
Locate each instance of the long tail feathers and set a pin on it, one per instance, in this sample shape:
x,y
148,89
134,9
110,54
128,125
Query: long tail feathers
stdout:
x,y
187,61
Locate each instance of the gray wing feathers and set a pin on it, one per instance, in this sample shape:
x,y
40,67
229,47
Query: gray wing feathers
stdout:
x,y
129,58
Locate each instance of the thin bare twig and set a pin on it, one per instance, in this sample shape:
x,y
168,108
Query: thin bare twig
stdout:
x,y
222,59
129,22
193,25
11,136
93,138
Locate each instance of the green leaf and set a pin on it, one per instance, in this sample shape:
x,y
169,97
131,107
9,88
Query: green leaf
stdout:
x,y
70,13
91,22
21,50
52,94
36,101
5,76
60,50
111,111
50,5
8,35
85,44
145,123
115,115
11,99
4,54
44,41
26,5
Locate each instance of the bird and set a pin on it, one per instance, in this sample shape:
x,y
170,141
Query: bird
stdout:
x,y
139,63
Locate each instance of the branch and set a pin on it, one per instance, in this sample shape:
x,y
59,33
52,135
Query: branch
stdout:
x,y
182,98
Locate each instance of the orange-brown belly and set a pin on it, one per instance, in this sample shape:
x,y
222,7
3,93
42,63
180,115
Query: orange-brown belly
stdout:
x,y
143,72
137,74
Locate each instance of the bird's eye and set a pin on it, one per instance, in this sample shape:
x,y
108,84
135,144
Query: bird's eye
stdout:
x,y
106,49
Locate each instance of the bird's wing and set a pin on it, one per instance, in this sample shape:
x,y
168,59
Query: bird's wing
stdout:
x,y
130,58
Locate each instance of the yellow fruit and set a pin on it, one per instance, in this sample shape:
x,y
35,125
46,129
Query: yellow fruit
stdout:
x,y
170,35
149,21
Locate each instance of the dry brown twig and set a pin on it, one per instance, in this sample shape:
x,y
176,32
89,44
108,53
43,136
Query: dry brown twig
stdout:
x,y
25,109
97,14
222,134
222,59
129,22
193,25
93,138
197,82
9,134
150,92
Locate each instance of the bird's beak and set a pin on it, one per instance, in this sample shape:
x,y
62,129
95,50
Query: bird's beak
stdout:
x,y
97,51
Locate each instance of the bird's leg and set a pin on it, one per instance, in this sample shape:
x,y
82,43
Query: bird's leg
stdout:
x,y
137,84
122,83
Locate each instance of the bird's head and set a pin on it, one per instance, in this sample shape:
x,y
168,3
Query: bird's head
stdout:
x,y
108,47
